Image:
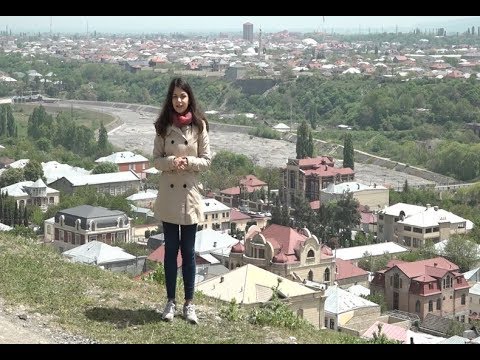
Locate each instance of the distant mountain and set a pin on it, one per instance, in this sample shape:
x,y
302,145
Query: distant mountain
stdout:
x,y
452,26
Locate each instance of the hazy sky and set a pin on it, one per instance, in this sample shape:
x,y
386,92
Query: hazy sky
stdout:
x,y
168,24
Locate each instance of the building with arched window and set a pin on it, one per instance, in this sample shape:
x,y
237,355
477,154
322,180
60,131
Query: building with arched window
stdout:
x,y
79,225
433,286
294,254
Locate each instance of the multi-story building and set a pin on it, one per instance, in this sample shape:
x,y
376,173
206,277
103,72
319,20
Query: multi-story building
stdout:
x,y
110,183
294,254
127,160
248,184
82,224
413,225
307,177
375,197
32,193
248,31
433,286
217,215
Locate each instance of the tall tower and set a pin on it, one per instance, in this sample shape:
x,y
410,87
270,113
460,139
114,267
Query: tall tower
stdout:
x,y
248,32
260,45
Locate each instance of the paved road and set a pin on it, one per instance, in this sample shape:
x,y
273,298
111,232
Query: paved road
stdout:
x,y
137,133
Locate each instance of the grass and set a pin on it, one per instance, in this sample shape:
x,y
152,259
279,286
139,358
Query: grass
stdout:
x,y
108,307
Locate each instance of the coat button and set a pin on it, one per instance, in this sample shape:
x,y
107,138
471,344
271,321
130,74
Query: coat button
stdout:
x,y
173,141
184,186
186,142
171,185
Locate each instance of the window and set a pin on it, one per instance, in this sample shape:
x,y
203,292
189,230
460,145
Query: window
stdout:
x,y
463,301
396,281
69,235
407,240
300,313
462,318
430,286
407,228
310,254
380,217
326,323
326,275
60,235
417,230
417,306
310,275
332,324
430,306
77,239
292,182
439,304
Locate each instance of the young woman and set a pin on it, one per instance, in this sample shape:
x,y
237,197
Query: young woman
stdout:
x,y
181,150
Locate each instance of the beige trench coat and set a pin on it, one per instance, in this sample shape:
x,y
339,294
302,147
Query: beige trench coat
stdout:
x,y
179,200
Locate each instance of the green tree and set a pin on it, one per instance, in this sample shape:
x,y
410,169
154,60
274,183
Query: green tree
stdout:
x,y
348,153
462,252
102,144
104,168
304,146
33,170
11,176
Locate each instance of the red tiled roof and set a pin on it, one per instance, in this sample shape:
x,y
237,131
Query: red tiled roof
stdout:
x,y
231,191
236,215
417,268
283,238
159,255
345,269
325,170
320,160
252,180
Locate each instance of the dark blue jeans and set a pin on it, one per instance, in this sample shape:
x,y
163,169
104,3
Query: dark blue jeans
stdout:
x,y
179,237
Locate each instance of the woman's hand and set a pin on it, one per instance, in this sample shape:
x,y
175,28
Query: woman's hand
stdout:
x,y
180,163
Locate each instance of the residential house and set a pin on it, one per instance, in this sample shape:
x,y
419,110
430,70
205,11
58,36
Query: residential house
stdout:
x,y
236,196
216,215
349,274
108,257
375,197
243,220
116,183
346,311
307,177
413,225
291,253
32,193
126,161
432,286
250,285
145,198
53,170
81,224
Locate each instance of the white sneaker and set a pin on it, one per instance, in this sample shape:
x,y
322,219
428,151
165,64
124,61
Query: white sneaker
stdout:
x,y
169,311
189,313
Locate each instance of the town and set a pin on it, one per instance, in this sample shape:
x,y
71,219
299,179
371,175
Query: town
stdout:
x,y
346,249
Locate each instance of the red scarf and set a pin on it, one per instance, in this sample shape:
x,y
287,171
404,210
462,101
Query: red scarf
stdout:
x,y
182,120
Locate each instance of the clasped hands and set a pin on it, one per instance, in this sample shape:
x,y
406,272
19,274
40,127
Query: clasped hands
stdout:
x,y
180,163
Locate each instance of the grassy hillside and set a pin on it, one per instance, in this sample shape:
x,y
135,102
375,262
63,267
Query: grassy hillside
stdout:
x,y
113,308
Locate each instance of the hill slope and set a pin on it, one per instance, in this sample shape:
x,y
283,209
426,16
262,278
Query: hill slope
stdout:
x,y
88,304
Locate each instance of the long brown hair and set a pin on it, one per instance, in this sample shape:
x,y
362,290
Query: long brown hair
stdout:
x,y
165,117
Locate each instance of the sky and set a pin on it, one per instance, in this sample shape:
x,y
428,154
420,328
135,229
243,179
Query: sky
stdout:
x,y
205,24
